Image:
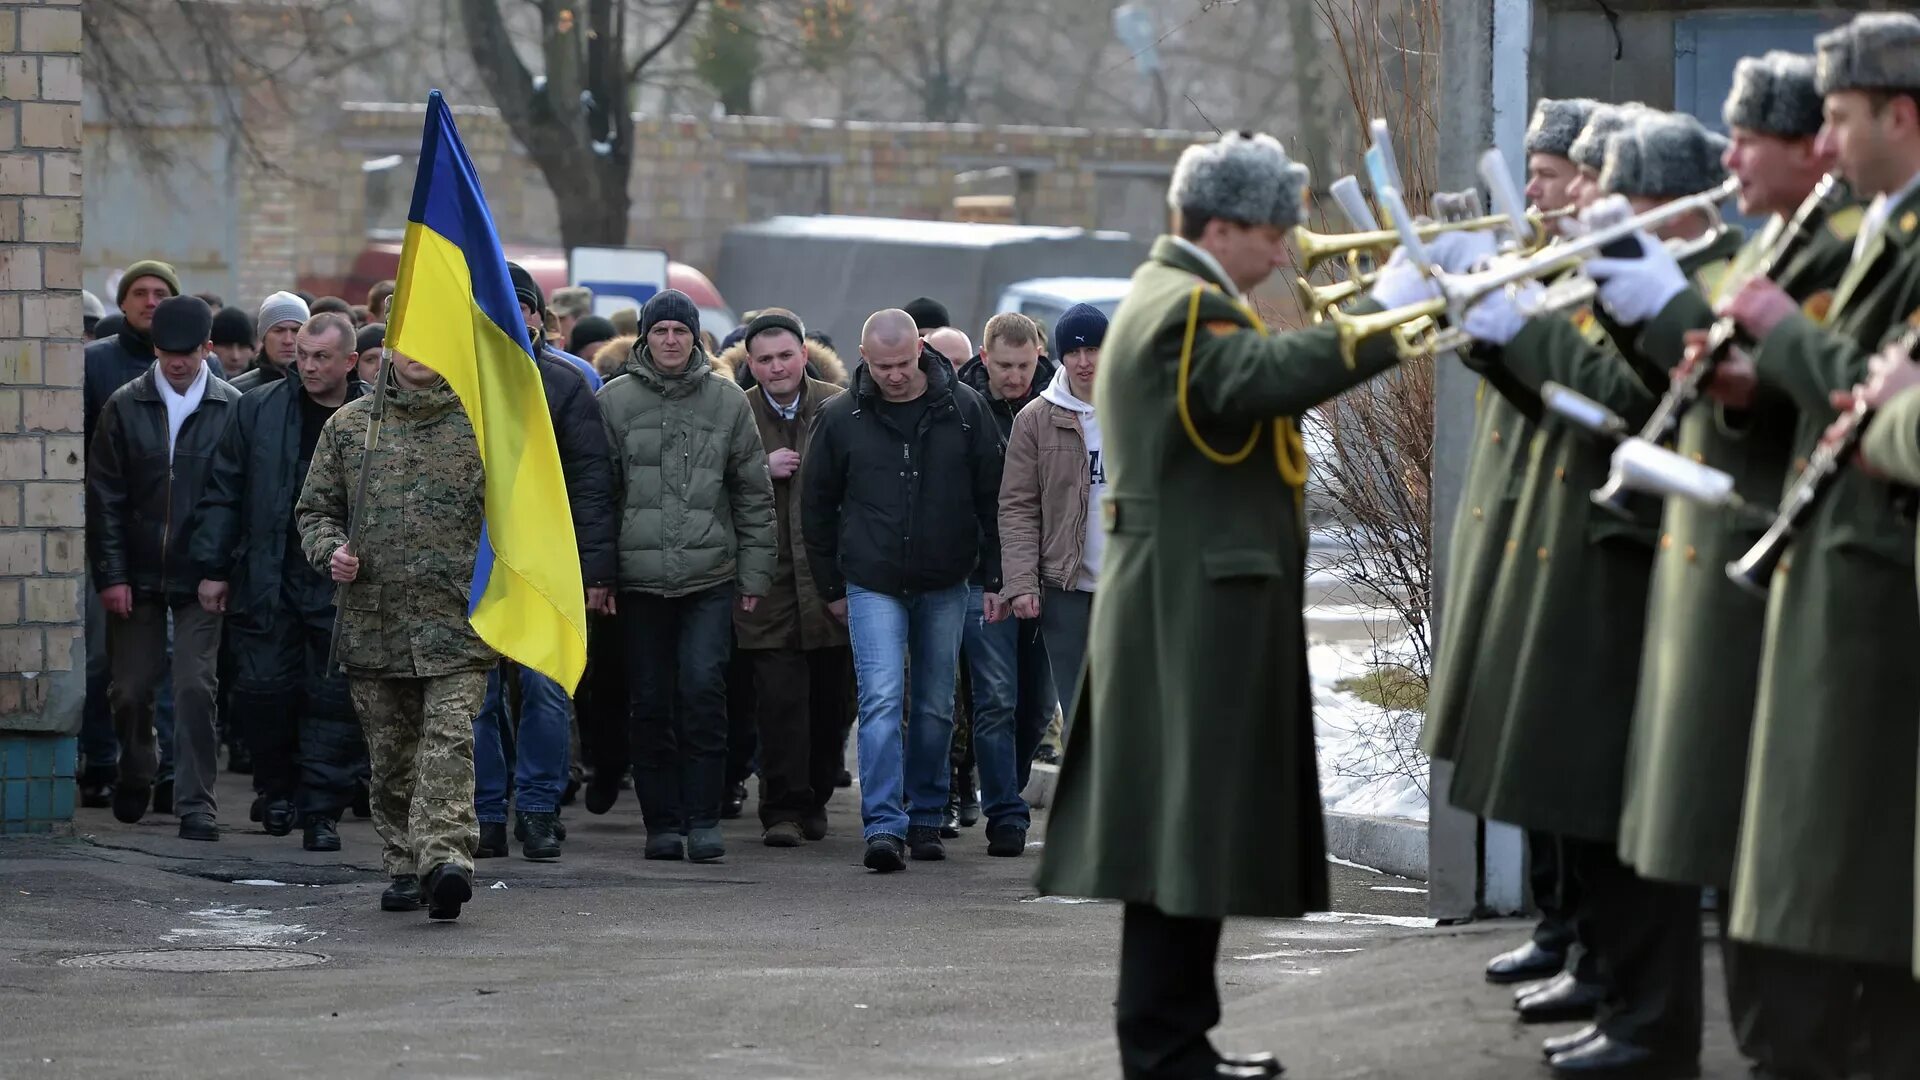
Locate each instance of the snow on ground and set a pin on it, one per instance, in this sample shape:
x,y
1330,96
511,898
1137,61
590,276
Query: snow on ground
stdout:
x,y
1361,771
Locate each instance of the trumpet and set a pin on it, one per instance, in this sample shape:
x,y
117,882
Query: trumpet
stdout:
x,y
1642,467
1459,292
1315,248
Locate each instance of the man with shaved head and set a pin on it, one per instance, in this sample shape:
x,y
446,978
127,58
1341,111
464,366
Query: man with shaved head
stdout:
x,y
952,343
900,515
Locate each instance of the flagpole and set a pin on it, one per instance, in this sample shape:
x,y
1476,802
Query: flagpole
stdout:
x,y
356,516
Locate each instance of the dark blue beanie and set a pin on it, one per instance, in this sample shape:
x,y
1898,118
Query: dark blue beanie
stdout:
x,y
1083,326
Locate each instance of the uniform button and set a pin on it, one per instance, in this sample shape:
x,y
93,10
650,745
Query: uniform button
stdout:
x,y
1699,458
1513,546
1560,474
1800,464
1496,437
1543,554
1692,554
1477,515
1666,542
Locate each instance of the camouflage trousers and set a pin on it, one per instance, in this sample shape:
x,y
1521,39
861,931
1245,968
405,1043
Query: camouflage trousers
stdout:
x,y
420,743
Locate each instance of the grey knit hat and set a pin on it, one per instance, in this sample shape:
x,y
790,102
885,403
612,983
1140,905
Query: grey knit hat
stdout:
x,y
1663,154
1877,51
1241,177
1589,151
281,307
1774,95
1556,123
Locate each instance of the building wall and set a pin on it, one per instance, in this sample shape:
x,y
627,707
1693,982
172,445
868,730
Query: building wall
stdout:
x,y
42,656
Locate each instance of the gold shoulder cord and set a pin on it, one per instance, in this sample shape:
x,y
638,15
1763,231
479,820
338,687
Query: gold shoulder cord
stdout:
x,y
1289,450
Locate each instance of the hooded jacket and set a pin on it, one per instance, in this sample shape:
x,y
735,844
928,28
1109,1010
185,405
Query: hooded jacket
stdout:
x,y
823,365
900,512
974,373
1045,495
696,501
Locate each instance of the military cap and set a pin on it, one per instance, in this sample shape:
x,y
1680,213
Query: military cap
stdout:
x,y
1589,150
1876,51
1775,95
1242,177
1663,154
1557,123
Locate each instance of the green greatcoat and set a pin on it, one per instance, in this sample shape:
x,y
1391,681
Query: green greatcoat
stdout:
x,y
1687,759
1893,444
1831,773
1560,654
1190,781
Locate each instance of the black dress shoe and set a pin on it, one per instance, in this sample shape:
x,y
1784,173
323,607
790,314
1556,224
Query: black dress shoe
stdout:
x,y
1265,1062
950,825
447,887
403,895
320,834
520,826
279,816
970,808
1561,1002
602,794
130,802
886,854
493,841
1607,1057
540,840
1560,1044
735,803
198,827
923,841
1529,961
1215,1070
163,796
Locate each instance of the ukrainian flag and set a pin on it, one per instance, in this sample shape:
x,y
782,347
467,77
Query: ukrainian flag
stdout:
x,y
454,310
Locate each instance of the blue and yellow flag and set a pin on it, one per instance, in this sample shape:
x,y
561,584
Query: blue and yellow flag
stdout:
x,y
454,310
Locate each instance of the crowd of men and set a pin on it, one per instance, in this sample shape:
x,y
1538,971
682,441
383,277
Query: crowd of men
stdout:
x,y
759,530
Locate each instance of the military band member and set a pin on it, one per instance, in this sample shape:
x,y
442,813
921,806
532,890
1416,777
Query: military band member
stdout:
x,y
1503,430
1191,790
1573,641
1831,773
1686,767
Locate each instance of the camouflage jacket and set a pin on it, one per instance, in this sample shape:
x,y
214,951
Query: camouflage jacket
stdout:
x,y
406,614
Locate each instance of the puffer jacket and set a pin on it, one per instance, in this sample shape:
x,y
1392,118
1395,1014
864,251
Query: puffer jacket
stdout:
x,y
696,500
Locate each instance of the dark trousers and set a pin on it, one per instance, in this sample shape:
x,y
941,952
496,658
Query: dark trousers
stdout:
x,y
1646,938
1168,997
600,704
677,653
298,715
1804,1017
1554,892
800,704
743,739
137,645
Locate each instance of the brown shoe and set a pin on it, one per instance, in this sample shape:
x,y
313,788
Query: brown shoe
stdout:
x,y
783,834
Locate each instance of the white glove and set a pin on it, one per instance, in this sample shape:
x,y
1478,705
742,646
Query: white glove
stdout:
x,y
1497,319
1606,212
1400,283
1459,252
1635,290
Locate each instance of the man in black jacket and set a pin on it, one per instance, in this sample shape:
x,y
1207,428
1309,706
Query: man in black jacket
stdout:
x,y
281,317
537,753
147,466
295,710
901,508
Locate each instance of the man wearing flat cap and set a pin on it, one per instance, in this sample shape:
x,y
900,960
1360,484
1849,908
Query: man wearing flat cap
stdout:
x,y
1190,790
1830,783
146,469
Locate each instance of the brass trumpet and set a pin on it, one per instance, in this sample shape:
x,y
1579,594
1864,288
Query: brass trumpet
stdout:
x,y
1315,248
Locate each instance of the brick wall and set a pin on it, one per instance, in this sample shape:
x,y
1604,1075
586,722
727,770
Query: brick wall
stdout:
x,y
42,661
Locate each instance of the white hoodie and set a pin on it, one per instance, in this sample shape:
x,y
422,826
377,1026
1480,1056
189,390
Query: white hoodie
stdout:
x,y
1096,539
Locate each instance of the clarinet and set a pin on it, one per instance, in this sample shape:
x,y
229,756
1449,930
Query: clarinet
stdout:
x,y
1754,570
1689,386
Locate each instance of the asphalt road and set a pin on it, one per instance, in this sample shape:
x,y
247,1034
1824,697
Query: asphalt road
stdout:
x,y
772,964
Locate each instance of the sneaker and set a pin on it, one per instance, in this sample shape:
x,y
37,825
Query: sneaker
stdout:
x,y
198,827
130,801
924,842
886,853
814,826
447,887
1006,840
163,797
783,834
402,895
706,845
320,834
668,846
540,838
493,841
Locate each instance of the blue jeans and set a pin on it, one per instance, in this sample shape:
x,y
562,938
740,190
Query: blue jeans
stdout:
x,y
904,775
992,651
537,753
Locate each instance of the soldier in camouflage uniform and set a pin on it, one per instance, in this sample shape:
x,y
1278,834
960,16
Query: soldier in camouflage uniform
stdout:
x,y
417,669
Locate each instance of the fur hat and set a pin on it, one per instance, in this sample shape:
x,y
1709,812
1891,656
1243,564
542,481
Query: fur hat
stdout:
x,y
1589,150
1876,51
1241,177
1774,95
1664,154
1557,123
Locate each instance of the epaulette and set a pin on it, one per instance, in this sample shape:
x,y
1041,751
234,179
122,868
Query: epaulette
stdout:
x,y
1845,223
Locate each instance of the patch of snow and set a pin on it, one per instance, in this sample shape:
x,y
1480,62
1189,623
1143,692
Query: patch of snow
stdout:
x,y
1362,769
1354,918
1060,900
270,883
239,926
1354,865
1399,888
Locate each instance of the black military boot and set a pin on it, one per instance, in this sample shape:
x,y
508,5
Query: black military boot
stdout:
x,y
320,834
278,817
539,841
403,895
493,841
447,887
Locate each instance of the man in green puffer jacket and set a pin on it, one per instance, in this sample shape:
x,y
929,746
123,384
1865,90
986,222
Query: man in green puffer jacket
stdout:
x,y
696,527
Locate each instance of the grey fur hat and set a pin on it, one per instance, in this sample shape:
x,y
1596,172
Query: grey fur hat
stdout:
x,y
1774,95
1557,123
1589,151
1241,177
1876,51
1663,154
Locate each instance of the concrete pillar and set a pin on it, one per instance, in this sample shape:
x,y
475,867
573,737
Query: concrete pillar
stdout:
x,y
1483,102
42,547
